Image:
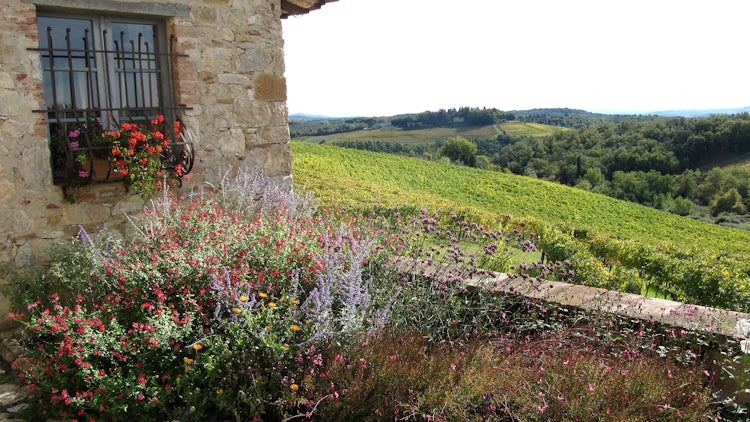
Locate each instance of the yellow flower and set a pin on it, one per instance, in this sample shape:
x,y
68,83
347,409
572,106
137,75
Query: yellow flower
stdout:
x,y
271,304
187,368
219,391
187,360
244,298
296,327
268,327
197,346
286,346
294,387
295,301
237,310
262,295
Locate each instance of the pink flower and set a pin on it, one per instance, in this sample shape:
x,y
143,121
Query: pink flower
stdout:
x,y
83,173
74,134
74,145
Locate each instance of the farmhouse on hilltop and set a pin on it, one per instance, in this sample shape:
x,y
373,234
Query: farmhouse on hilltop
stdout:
x,y
66,66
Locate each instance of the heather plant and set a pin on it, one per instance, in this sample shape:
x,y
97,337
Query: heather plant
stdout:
x,y
400,376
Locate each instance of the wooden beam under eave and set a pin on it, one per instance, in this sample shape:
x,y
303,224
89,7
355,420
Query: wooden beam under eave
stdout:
x,y
300,7
305,4
288,9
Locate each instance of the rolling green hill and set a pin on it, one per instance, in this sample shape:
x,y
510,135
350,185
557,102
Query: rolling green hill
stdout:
x,y
614,244
363,178
420,136
530,129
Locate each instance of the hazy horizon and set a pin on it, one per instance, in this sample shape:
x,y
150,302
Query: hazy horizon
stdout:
x,y
611,112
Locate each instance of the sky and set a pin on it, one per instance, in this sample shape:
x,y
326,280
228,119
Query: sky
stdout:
x,y
388,57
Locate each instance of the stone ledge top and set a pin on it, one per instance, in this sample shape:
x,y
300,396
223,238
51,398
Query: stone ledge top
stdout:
x,y
668,312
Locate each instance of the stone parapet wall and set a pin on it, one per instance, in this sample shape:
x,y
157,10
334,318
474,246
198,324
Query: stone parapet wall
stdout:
x,y
231,82
661,311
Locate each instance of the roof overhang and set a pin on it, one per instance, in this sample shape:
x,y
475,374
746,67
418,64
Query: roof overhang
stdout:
x,y
300,7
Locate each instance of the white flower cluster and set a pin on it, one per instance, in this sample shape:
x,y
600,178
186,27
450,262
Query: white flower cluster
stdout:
x,y
743,328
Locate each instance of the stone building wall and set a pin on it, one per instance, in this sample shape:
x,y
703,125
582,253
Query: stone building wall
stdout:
x,y
231,81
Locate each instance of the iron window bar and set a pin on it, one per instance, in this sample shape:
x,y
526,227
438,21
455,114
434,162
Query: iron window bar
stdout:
x,y
139,93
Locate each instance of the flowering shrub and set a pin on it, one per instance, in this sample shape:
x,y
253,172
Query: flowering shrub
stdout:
x,y
208,310
132,152
137,153
252,302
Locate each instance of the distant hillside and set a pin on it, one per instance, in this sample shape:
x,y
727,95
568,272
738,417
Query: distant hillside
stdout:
x,y
423,136
701,113
584,115
302,116
364,179
610,243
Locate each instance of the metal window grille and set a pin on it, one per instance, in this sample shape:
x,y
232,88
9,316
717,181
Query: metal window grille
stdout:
x,y
94,83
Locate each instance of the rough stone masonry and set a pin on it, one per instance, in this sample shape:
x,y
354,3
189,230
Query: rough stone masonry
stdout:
x,y
231,83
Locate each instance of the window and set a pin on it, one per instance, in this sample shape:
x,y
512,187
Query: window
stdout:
x,y
100,71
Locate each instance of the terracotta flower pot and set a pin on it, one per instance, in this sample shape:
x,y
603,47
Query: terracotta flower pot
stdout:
x,y
98,169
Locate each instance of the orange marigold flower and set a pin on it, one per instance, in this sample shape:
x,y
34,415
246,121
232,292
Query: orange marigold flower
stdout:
x,y
197,346
294,387
262,295
187,360
296,327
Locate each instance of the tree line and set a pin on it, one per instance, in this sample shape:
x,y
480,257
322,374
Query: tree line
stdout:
x,y
468,116
663,162
666,163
